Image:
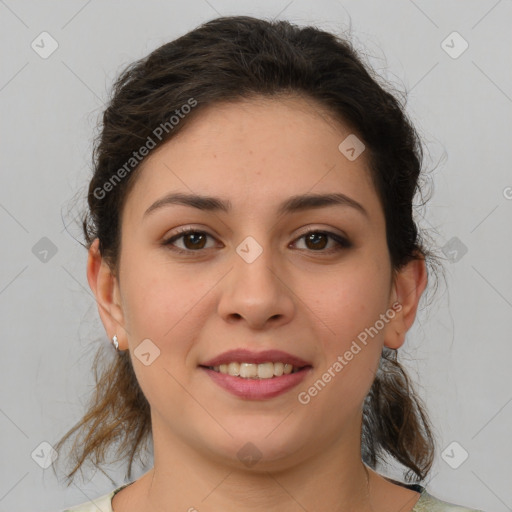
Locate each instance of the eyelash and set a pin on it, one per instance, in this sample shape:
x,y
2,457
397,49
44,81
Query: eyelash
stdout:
x,y
342,242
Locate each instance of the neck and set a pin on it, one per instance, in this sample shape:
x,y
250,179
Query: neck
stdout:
x,y
191,480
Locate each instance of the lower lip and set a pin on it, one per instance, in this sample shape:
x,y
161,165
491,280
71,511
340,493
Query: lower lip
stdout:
x,y
257,389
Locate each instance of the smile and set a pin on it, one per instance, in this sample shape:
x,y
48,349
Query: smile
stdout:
x,y
256,388
267,370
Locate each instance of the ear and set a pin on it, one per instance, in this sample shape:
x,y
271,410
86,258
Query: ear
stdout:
x,y
408,285
105,287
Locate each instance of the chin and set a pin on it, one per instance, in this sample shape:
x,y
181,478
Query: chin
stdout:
x,y
260,449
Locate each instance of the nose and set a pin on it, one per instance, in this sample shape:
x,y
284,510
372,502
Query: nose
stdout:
x,y
257,292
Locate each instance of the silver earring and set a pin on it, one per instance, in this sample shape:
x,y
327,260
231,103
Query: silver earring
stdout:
x,y
115,342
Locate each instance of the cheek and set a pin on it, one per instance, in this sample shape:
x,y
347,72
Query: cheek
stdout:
x,y
350,300
350,334
163,301
153,298
160,304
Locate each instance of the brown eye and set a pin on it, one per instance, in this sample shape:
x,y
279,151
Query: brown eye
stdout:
x,y
197,240
192,240
317,241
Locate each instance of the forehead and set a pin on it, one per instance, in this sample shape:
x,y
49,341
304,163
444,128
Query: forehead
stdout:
x,y
255,153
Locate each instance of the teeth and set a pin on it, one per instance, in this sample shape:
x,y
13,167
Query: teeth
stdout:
x,y
256,371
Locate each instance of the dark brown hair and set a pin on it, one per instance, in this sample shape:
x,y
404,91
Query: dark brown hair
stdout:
x,y
227,59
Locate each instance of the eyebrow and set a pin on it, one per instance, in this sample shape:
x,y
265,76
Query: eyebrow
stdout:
x,y
291,205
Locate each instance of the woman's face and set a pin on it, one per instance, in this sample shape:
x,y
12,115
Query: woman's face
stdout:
x,y
250,280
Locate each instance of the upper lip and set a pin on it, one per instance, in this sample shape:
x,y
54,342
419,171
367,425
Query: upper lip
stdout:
x,y
247,356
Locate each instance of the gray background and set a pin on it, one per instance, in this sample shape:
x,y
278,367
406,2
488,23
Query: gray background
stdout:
x,y
459,350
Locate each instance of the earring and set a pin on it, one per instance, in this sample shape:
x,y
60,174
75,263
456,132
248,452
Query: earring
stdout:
x,y
115,342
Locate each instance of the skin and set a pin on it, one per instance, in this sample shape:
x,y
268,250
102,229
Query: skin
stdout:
x,y
294,297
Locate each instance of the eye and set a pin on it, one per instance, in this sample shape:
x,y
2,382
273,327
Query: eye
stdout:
x,y
193,240
315,240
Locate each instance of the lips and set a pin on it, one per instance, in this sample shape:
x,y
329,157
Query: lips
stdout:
x,y
247,356
257,389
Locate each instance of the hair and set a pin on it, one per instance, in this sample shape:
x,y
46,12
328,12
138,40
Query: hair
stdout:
x,y
225,60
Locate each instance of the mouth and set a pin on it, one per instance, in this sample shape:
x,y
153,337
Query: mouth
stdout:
x,y
267,370
246,364
248,385
256,375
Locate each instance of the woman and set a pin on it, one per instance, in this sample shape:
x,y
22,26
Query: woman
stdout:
x,y
256,264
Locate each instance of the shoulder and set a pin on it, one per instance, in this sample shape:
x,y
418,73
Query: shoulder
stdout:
x,y
429,503
101,504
